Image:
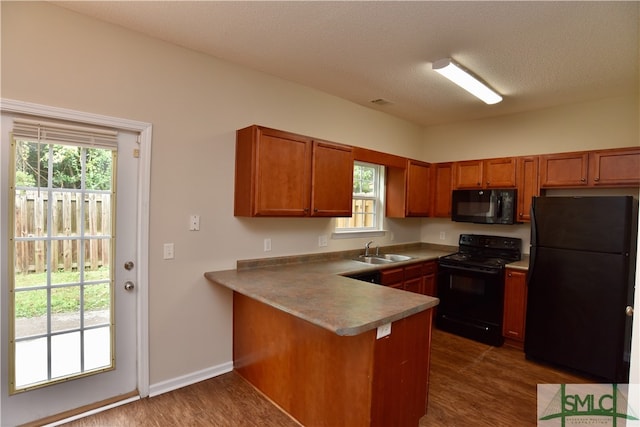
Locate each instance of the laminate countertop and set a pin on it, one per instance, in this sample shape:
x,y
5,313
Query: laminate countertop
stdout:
x,y
317,291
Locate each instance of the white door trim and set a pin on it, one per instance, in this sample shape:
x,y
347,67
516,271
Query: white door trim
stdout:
x,y
144,180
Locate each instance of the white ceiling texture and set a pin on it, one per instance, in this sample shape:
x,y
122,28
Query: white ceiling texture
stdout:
x,y
536,54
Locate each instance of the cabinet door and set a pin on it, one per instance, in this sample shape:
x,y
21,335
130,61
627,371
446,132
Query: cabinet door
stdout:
x,y
414,285
393,277
442,185
429,271
620,167
564,170
418,182
332,180
527,185
515,305
273,173
500,173
282,175
413,278
468,174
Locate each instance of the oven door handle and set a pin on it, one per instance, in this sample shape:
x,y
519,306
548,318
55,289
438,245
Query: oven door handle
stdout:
x,y
470,269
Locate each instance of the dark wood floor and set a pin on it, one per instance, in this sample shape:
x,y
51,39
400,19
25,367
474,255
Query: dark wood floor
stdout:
x,y
471,384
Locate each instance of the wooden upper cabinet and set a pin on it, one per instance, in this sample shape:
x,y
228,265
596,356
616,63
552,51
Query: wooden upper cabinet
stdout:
x,y
564,170
275,171
331,180
617,167
468,174
442,185
408,190
500,173
418,188
527,186
489,173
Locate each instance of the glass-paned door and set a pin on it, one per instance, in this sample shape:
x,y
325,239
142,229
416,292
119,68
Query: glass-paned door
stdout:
x,y
70,287
63,271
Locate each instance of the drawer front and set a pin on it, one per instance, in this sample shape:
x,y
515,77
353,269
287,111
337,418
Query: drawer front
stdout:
x,y
392,276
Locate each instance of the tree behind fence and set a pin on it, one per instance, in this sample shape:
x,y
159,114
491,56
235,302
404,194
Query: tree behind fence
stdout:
x,y
31,213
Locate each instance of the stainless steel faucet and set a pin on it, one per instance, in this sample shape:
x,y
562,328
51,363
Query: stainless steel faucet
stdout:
x,y
366,248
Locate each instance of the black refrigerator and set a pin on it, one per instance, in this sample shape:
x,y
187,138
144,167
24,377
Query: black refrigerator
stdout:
x,y
580,283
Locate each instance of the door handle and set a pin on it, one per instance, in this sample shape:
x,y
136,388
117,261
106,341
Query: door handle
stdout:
x,y
628,311
129,286
128,265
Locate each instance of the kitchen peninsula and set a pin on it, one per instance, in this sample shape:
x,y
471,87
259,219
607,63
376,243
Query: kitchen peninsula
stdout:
x,y
307,337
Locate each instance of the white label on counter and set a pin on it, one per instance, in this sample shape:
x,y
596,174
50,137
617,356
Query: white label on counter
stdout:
x,y
384,330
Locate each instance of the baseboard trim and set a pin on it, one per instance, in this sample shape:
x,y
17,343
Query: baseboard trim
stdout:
x,y
192,378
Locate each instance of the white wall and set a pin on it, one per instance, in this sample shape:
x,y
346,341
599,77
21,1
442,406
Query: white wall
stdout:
x,y
55,57
607,123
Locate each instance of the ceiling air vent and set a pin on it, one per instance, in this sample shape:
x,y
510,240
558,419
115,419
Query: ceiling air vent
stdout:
x,y
380,101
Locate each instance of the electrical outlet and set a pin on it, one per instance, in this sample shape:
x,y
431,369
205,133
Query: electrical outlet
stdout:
x,y
322,240
383,330
267,245
168,251
443,235
194,223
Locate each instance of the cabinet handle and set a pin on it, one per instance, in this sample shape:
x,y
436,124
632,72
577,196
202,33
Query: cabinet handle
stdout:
x,y
583,179
315,209
596,179
479,183
488,183
521,214
509,274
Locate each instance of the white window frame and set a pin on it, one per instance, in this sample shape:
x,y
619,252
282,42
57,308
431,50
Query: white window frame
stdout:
x,y
378,198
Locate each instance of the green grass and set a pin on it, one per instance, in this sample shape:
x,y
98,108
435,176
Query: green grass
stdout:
x,y
33,303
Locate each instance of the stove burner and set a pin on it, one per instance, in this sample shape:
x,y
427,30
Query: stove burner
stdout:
x,y
485,252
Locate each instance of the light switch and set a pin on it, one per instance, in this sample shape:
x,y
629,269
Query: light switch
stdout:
x,y
168,251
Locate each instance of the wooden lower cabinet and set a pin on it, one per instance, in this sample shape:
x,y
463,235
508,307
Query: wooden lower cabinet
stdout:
x,y
429,271
419,278
515,307
323,379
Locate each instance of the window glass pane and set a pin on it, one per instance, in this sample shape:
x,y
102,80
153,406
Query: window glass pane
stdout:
x,y
67,167
29,259
97,348
31,313
366,199
32,164
65,305
99,169
65,354
97,304
31,362
364,179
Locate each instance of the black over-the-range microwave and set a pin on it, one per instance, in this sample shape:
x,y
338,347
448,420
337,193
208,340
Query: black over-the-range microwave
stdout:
x,y
496,206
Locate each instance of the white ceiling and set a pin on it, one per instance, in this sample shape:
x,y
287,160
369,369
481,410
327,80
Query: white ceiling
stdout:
x,y
536,54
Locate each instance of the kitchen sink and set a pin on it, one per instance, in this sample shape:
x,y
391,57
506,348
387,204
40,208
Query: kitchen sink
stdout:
x,y
382,259
395,257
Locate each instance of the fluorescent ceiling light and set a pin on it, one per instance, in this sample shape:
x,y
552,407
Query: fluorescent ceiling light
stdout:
x,y
466,81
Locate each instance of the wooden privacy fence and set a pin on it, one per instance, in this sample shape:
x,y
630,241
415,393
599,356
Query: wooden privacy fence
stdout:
x,y
67,240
